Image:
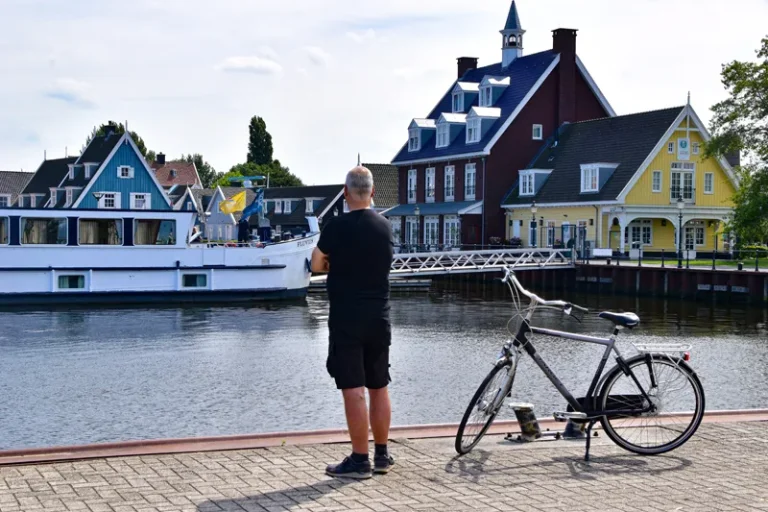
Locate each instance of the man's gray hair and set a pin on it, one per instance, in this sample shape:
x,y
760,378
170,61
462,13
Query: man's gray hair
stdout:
x,y
360,183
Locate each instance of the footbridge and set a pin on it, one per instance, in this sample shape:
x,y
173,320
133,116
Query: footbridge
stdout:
x,y
426,264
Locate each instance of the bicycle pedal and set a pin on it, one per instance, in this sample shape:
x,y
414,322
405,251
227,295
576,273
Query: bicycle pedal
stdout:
x,y
572,415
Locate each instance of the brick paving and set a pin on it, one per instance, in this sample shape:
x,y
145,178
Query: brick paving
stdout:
x,y
724,467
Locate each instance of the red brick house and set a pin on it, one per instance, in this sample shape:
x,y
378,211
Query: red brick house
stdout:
x,y
462,159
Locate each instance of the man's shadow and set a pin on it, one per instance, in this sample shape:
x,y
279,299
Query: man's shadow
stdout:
x,y
288,498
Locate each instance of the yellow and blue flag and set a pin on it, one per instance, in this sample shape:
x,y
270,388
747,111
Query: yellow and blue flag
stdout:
x,y
235,204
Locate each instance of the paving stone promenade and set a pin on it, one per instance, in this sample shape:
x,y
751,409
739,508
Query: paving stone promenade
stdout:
x,y
722,468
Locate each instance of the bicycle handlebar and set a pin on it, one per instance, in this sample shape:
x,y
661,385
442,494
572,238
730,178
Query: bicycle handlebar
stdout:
x,y
510,277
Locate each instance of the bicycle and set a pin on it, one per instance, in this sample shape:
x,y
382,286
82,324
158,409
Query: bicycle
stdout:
x,y
639,397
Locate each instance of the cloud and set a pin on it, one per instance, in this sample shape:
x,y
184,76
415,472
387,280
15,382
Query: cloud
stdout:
x,y
71,91
318,56
362,36
250,64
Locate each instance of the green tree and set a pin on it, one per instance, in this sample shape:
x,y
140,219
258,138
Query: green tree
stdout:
x,y
279,176
151,156
740,123
260,142
118,128
208,174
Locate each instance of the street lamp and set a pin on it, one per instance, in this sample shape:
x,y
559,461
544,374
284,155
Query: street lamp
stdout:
x,y
680,206
417,213
534,209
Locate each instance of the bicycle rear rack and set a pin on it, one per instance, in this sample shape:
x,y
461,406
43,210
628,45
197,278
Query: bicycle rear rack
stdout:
x,y
662,348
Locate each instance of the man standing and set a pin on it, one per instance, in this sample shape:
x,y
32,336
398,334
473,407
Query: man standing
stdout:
x,y
356,251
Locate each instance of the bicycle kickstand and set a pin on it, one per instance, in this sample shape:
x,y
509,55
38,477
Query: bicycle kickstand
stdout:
x,y
589,439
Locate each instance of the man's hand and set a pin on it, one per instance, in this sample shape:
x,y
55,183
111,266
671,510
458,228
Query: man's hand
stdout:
x,y
320,262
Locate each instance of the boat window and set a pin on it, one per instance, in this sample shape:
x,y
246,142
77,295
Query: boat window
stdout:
x,y
101,232
155,232
3,230
194,280
71,282
44,231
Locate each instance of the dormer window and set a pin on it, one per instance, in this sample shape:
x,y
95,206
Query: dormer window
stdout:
x,y
486,97
527,184
71,174
458,102
443,135
414,139
593,176
88,169
473,130
589,179
53,197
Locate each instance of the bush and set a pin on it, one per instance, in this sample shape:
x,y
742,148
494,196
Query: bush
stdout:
x,y
751,251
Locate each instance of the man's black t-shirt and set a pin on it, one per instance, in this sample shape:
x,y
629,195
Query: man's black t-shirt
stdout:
x,y
359,247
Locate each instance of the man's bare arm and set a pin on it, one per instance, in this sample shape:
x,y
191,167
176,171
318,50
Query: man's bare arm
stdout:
x,y
320,261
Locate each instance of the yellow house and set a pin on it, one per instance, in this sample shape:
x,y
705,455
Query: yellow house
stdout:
x,y
620,184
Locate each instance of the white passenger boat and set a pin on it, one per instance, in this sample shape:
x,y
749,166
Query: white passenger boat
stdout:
x,y
120,256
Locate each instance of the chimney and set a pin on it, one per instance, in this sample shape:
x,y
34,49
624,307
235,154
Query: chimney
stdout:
x,y
466,64
564,43
160,158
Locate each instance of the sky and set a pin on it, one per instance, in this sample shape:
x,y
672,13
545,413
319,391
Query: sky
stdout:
x,y
331,78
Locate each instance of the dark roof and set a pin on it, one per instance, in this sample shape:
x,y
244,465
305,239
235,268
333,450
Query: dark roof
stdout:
x,y
298,216
624,140
524,72
185,174
99,148
513,20
386,183
49,175
13,182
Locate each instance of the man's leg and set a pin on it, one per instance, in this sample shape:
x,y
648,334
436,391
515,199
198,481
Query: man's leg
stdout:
x,y
357,418
381,414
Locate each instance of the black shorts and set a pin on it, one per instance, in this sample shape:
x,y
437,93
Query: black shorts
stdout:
x,y
359,356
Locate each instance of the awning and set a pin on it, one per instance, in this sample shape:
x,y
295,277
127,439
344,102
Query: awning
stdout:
x,y
453,208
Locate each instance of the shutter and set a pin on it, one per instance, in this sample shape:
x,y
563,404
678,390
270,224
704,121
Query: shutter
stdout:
x,y
130,173
148,201
118,172
118,201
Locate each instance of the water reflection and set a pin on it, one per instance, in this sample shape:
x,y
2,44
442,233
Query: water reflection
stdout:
x,y
112,374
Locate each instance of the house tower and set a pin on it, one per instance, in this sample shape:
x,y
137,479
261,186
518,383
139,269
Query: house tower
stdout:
x,y
512,37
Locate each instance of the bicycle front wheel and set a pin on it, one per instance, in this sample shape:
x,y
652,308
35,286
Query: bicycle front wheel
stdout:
x,y
484,407
677,397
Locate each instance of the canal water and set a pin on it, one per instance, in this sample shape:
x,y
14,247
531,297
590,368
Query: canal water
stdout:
x,y
98,375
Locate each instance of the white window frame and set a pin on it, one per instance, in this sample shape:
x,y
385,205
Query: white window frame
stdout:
x,y
146,196
684,171
639,227
443,138
551,233
654,188
7,198
71,172
695,148
288,206
711,189
344,206
278,207
537,132
590,178
486,96
32,201
308,206
414,139
70,196
457,102
451,238
125,172
54,195
412,185
691,237
429,185
412,230
396,224
450,172
670,148
431,230
474,127
527,184
115,196
470,170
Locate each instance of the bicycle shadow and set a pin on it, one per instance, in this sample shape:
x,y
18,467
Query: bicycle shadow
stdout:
x,y
473,467
273,500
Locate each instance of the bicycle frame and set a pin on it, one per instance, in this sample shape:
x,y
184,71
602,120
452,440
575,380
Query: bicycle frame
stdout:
x,y
589,407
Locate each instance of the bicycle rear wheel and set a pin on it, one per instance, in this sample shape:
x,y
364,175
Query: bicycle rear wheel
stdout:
x,y
484,407
678,399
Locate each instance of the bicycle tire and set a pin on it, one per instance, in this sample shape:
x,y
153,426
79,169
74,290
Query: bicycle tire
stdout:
x,y
661,364
461,449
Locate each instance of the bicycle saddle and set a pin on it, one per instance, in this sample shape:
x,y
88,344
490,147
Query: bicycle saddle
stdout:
x,y
628,320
